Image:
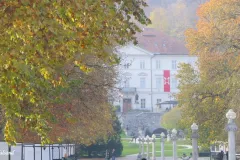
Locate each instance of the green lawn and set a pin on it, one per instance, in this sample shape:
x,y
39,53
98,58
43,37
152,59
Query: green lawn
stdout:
x,y
132,148
123,135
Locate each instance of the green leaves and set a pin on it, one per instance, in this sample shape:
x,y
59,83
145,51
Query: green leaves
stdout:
x,y
39,41
206,93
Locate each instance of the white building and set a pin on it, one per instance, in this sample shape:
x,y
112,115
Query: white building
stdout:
x,y
144,72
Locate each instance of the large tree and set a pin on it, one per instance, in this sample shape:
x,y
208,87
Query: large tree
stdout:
x,y
210,89
83,113
40,39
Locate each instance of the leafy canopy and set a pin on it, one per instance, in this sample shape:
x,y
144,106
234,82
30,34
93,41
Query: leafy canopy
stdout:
x,y
38,39
210,89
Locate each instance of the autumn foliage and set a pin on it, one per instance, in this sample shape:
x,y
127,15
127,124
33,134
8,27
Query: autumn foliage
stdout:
x,y
209,90
41,44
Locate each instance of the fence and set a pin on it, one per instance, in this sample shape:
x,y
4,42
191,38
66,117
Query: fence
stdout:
x,y
24,151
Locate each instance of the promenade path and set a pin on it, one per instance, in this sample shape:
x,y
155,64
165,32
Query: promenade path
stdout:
x,y
134,157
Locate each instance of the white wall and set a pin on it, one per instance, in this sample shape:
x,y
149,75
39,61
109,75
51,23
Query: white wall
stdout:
x,y
16,152
3,149
45,153
28,150
38,151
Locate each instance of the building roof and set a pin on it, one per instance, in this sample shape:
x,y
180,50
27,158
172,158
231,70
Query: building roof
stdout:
x,y
158,42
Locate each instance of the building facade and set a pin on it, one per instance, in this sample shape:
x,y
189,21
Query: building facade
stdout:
x,y
148,79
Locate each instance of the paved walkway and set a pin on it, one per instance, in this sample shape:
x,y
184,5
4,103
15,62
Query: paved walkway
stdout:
x,y
134,157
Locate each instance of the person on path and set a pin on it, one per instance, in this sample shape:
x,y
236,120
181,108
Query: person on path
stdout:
x,y
221,155
113,154
185,157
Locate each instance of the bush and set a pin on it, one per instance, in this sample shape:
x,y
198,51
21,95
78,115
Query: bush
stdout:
x,y
99,148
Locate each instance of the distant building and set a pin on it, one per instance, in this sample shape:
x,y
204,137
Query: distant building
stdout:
x,y
148,72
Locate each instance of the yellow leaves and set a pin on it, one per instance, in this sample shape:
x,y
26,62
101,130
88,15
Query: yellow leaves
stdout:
x,y
9,133
14,91
45,37
45,73
213,42
80,25
18,24
82,67
58,82
217,99
6,66
32,100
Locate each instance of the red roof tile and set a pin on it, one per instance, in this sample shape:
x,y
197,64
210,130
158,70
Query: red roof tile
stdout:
x,y
160,43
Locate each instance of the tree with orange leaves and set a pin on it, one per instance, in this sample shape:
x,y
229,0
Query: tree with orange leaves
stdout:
x,y
84,114
39,38
208,91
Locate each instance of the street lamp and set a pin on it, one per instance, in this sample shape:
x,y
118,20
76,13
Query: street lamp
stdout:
x,y
153,147
174,139
194,128
162,135
231,115
174,132
147,140
231,128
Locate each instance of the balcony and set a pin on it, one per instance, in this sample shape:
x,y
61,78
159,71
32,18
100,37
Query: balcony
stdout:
x,y
129,90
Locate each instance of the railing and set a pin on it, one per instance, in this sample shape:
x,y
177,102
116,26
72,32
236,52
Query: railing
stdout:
x,y
23,151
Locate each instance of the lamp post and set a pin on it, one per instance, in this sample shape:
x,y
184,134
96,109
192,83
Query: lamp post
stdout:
x,y
174,139
168,135
162,145
140,148
147,140
153,147
194,128
231,128
143,153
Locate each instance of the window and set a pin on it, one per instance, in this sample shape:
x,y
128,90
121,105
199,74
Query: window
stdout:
x,y
158,82
126,66
142,82
159,101
158,64
174,64
142,64
174,82
143,103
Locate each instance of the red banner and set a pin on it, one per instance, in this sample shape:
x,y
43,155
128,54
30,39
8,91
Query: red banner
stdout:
x,y
166,80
